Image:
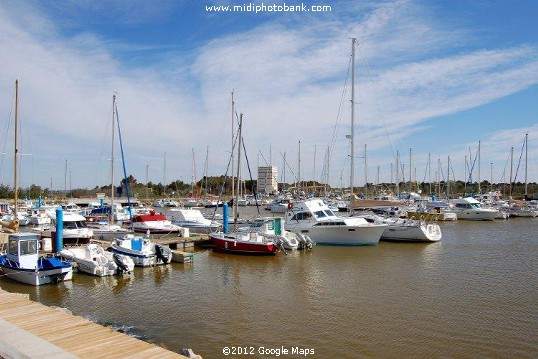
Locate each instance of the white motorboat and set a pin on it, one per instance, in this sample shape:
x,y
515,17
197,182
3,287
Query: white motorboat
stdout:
x,y
104,230
75,229
93,259
315,219
470,209
142,250
23,263
280,205
193,219
407,230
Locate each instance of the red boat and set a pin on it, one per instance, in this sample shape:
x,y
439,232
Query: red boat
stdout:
x,y
247,243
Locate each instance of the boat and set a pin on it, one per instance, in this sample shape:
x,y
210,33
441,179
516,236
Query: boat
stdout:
x,y
246,243
242,242
406,230
280,205
75,229
143,251
23,263
469,208
315,219
193,219
103,229
274,226
94,260
519,209
431,211
153,222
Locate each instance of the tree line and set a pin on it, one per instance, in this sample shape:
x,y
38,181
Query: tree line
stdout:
x,y
223,185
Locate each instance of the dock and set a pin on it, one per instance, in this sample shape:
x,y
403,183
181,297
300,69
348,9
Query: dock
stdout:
x,y
32,330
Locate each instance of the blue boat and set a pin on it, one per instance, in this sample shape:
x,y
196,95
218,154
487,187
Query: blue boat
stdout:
x,y
23,263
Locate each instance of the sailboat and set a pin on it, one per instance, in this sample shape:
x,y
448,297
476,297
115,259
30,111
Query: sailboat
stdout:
x,y
314,218
142,250
249,242
22,261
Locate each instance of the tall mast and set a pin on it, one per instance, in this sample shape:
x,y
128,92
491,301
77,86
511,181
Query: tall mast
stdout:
x,y
15,161
397,179
233,130
410,167
479,191
430,171
365,173
299,172
238,166
511,165
112,159
352,151
526,153
448,179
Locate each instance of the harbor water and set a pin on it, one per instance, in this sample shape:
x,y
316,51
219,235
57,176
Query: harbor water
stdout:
x,y
472,295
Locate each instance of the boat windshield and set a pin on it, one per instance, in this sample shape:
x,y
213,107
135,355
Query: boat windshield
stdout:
x,y
320,214
301,216
475,206
329,212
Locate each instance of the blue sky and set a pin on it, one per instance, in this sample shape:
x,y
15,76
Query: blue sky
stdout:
x,y
434,76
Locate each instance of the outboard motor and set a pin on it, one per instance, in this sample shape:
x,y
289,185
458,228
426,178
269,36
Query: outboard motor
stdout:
x,y
163,253
120,263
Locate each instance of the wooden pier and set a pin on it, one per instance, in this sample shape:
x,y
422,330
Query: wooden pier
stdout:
x,y
35,330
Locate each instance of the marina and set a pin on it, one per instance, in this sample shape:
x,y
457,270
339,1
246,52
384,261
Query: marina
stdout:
x,y
343,209
471,294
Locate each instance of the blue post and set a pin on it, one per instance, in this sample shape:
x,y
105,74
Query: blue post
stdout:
x,y
39,200
225,218
102,202
59,243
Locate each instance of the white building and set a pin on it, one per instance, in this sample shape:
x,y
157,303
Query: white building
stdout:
x,y
267,179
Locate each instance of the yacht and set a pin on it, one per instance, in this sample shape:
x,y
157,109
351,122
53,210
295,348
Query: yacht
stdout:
x,y
470,209
315,219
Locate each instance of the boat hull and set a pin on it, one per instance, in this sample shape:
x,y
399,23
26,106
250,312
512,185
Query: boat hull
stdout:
x,y
232,245
344,235
39,277
418,233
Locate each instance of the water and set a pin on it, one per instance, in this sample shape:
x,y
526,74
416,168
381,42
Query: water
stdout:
x,y
474,294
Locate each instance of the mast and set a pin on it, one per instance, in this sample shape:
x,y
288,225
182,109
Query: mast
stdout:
x,y
479,190
448,179
193,179
526,153
397,180
430,172
233,129
511,165
365,173
410,167
299,172
352,151
238,166
112,160
15,160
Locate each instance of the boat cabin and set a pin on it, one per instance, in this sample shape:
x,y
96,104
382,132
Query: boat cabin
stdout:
x,y
267,225
23,249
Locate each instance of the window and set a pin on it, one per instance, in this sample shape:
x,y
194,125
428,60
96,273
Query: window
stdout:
x,y
28,247
12,247
320,214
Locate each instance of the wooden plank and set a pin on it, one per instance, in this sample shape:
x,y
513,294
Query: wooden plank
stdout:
x,y
73,334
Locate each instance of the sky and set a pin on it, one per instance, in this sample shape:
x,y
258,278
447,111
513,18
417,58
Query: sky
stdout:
x,y
433,79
